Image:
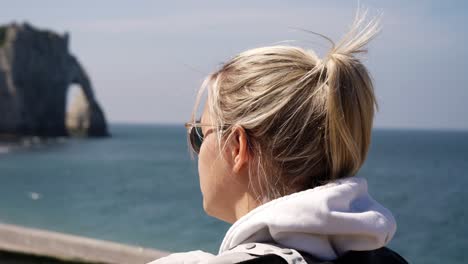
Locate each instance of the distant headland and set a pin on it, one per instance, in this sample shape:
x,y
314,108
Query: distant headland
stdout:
x,y
36,72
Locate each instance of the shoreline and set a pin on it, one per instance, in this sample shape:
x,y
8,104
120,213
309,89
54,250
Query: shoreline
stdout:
x,y
7,145
28,245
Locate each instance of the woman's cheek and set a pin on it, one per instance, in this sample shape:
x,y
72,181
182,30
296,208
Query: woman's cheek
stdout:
x,y
205,168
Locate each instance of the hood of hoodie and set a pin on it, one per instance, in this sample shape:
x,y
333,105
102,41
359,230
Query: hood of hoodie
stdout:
x,y
325,221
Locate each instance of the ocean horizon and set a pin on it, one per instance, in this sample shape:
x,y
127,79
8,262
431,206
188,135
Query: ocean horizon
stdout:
x,y
140,187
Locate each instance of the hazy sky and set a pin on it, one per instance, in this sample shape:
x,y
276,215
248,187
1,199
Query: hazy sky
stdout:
x,y
147,58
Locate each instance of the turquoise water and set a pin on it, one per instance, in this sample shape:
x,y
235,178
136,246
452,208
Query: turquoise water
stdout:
x,y
141,187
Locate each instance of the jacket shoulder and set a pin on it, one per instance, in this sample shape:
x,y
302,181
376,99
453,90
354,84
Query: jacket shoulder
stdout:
x,y
381,256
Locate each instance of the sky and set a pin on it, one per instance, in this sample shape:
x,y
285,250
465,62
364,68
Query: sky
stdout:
x,y
146,59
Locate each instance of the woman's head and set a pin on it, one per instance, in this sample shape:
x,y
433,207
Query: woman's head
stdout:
x,y
290,120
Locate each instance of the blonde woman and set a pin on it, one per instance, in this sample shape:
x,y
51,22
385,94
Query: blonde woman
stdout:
x,y
282,136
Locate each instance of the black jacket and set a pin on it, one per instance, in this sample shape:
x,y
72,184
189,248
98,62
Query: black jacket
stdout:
x,y
379,256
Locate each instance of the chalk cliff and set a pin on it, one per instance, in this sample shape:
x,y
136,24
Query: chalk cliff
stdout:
x,y
36,72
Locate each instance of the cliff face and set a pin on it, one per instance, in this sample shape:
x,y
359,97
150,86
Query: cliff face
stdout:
x,y
36,71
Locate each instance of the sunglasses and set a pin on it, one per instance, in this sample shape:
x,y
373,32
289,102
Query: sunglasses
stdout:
x,y
195,134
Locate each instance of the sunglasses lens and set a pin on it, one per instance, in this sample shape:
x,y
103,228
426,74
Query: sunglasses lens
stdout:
x,y
196,138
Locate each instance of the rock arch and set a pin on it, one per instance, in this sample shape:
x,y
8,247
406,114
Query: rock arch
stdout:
x,y
36,70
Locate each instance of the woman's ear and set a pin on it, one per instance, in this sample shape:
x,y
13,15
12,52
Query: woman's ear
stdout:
x,y
239,149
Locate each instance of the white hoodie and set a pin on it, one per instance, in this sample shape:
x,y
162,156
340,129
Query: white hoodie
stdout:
x,y
325,222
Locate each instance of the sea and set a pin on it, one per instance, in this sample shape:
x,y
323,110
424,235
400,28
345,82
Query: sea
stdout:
x,y
141,187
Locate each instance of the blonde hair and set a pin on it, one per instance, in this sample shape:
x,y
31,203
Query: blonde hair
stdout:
x,y
308,121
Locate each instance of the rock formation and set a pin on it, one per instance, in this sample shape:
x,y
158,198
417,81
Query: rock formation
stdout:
x,y
78,115
36,71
